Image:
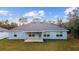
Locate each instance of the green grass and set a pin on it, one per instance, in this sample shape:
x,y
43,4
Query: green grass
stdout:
x,y
47,45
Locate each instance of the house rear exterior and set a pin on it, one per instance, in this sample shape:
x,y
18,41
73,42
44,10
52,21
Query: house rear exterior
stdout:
x,y
37,31
3,33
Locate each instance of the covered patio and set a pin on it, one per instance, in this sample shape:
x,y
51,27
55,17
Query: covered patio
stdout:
x,y
34,37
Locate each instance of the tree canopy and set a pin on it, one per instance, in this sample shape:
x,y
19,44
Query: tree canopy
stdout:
x,y
8,25
73,24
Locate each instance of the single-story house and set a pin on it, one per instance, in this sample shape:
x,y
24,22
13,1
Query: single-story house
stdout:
x,y
3,33
37,31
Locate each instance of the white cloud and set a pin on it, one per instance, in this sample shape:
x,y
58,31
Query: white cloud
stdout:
x,y
32,13
41,13
35,13
4,12
11,19
56,16
16,18
71,11
10,14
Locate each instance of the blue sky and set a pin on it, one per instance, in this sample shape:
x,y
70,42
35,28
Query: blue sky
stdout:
x,y
13,13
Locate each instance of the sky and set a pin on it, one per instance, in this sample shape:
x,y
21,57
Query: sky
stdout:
x,y
14,13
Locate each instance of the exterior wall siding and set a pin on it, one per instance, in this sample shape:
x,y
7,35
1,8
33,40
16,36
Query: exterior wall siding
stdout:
x,y
53,35
20,35
23,35
3,35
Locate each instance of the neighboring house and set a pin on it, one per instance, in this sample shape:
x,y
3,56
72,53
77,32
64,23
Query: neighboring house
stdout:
x,y
37,31
3,33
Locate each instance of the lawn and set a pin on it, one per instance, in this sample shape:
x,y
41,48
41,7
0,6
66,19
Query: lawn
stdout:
x,y
47,45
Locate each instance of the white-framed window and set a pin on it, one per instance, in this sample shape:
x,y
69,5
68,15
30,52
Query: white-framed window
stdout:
x,y
31,34
46,34
15,35
59,34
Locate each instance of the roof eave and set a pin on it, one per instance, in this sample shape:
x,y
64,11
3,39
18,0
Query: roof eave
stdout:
x,y
37,31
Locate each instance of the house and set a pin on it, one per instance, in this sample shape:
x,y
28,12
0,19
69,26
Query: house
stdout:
x,y
37,31
3,33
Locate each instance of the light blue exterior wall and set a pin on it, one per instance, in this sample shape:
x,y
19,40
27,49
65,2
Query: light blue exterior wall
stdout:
x,y
53,35
3,35
24,35
20,35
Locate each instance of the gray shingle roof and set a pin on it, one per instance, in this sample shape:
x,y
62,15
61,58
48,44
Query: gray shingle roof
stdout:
x,y
38,27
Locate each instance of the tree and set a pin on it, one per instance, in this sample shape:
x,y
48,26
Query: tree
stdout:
x,y
75,30
23,21
13,25
73,24
6,22
59,21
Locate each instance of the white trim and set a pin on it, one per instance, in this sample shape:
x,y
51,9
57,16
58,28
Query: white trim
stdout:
x,y
37,31
46,30
56,30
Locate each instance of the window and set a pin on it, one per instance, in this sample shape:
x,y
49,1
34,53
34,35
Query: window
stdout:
x,y
31,35
15,35
46,34
59,34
